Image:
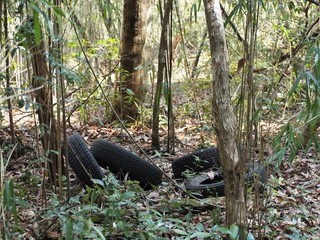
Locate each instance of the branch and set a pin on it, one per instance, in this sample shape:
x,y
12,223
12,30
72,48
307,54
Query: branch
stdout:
x,y
314,2
297,49
233,26
19,94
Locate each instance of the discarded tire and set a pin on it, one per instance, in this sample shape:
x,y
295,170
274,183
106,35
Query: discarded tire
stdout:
x,y
122,162
197,161
82,161
256,171
205,186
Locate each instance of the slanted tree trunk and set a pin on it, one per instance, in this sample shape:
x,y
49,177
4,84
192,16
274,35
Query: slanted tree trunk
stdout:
x,y
132,43
225,120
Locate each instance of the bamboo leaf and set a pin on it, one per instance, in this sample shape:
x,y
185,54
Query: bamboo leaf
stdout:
x,y
295,85
233,13
193,12
308,102
9,200
56,10
310,76
36,25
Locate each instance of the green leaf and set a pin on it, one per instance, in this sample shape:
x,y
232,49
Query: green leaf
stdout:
x,y
234,231
233,13
127,194
194,12
21,103
176,220
295,85
55,152
201,235
9,200
309,75
130,92
89,208
223,230
36,24
199,227
180,232
69,230
98,182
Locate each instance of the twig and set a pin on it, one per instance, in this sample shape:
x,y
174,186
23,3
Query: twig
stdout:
x,y
296,50
19,94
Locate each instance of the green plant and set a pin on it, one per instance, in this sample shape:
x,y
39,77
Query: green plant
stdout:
x,y
8,209
189,172
116,210
300,134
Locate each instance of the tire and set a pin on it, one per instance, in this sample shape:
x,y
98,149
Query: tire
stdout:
x,y
208,158
256,170
82,161
122,162
215,187
203,185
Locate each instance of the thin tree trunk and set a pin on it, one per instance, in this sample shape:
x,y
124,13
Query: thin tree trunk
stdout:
x,y
225,121
160,75
8,87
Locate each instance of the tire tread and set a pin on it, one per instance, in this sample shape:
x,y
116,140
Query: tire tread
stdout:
x,y
82,161
118,159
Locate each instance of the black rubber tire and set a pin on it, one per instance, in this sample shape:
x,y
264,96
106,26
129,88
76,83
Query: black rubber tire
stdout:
x,y
206,187
122,162
208,158
82,161
256,170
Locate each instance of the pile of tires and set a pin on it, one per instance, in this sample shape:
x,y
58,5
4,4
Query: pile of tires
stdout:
x,y
86,162
203,184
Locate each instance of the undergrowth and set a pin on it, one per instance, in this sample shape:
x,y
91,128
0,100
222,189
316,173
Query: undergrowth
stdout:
x,y
112,210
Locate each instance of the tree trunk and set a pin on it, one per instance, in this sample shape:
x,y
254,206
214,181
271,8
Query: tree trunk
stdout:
x,y
43,106
225,121
132,43
160,74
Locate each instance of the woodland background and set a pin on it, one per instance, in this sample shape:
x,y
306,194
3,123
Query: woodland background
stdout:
x,y
69,55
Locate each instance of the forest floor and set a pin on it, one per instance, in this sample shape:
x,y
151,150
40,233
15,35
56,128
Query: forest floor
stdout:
x,y
288,209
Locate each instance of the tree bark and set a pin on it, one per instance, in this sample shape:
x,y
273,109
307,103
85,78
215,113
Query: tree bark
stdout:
x,y
132,43
225,120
